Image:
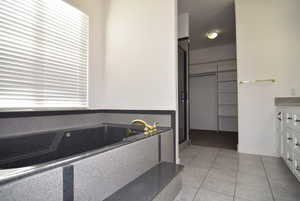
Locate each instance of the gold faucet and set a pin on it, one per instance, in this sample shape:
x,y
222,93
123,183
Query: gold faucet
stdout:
x,y
147,127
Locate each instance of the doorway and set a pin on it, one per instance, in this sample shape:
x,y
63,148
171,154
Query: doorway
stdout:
x,y
212,110
183,109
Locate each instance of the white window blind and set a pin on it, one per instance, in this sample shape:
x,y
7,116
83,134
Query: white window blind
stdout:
x,y
43,55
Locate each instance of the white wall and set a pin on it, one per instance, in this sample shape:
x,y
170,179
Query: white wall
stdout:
x,y
183,25
268,46
140,55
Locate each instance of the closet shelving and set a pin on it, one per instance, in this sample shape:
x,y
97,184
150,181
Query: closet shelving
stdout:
x,y
229,116
227,97
227,80
226,91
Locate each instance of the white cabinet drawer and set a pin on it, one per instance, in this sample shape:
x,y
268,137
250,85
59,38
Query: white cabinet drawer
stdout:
x,y
292,138
289,137
290,159
297,142
297,165
282,144
288,119
296,121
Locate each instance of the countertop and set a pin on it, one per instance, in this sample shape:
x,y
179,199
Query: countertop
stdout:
x,y
287,101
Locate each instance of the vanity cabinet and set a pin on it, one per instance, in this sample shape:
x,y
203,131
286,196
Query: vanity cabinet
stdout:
x,y
288,129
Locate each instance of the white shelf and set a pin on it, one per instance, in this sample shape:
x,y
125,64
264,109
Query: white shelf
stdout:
x,y
228,116
227,81
227,92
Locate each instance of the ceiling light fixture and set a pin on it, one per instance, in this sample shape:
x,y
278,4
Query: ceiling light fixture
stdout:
x,y
212,35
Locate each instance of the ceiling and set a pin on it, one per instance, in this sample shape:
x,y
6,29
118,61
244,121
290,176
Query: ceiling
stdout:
x,y
209,15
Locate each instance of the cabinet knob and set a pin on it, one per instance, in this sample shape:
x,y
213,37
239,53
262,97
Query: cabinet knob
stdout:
x,y
289,138
289,159
279,116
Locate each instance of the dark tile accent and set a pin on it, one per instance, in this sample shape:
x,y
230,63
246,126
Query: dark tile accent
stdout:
x,y
68,183
15,114
173,126
148,185
159,148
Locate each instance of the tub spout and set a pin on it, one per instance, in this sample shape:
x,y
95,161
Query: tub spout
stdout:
x,y
147,127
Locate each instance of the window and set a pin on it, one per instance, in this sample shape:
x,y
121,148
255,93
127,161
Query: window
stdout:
x,y
43,55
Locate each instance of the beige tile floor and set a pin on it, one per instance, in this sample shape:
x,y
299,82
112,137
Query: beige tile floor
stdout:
x,y
213,174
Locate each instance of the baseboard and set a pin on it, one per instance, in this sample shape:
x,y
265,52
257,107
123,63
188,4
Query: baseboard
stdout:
x,y
244,150
204,131
213,131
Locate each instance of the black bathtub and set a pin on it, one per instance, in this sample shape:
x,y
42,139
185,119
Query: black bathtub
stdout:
x,y
30,150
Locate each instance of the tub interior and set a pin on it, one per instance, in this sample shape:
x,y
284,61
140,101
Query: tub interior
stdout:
x,y
39,148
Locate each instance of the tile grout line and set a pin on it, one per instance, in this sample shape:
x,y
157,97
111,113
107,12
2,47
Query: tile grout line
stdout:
x,y
269,182
209,169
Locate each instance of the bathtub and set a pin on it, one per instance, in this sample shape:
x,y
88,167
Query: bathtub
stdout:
x,y
82,164
38,148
